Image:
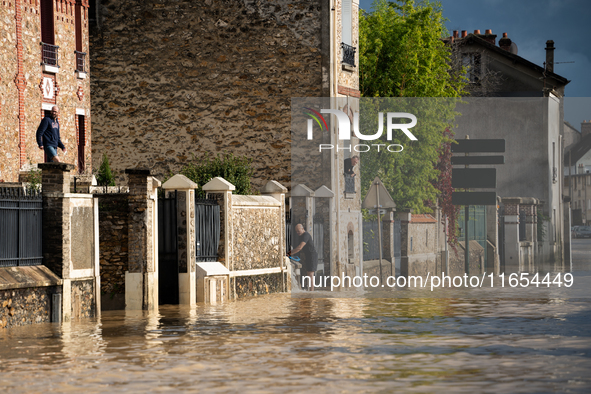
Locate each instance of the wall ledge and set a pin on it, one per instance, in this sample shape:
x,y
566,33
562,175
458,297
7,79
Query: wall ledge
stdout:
x,y
27,277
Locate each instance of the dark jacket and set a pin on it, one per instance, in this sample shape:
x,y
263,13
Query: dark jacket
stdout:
x,y
48,133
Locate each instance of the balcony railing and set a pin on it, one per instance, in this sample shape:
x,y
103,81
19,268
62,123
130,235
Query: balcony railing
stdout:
x,y
348,54
349,184
49,54
80,61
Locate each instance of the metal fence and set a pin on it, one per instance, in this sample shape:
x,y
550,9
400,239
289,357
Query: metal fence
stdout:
x,y
371,249
21,229
207,229
168,267
49,54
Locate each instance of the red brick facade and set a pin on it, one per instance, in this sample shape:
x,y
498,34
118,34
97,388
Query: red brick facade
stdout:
x,y
28,87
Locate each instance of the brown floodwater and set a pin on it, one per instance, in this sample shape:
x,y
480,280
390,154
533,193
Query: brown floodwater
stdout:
x,y
490,341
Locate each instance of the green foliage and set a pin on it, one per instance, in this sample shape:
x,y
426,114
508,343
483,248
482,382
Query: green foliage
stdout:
x,y
235,169
34,179
404,61
401,53
105,177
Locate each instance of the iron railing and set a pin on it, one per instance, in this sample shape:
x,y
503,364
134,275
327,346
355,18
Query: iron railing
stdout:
x,y
168,265
80,61
349,183
207,229
21,229
49,54
348,54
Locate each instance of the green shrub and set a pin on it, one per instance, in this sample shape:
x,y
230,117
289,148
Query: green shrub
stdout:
x,y
235,169
105,177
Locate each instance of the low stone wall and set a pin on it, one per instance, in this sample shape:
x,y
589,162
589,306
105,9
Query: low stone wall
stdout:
x,y
257,232
260,284
19,307
113,237
257,244
456,262
25,295
83,300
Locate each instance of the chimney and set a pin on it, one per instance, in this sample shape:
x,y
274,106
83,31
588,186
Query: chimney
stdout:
x,y
585,128
550,56
505,42
489,37
464,33
476,32
456,35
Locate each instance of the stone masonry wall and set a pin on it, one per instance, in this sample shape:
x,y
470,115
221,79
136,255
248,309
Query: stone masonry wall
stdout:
x,y
20,307
83,300
257,232
173,80
21,110
9,132
258,285
113,226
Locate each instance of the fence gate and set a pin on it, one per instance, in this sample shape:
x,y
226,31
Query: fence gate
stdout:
x,y
207,229
20,227
168,265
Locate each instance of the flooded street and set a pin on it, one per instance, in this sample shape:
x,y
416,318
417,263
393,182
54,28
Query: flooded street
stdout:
x,y
477,341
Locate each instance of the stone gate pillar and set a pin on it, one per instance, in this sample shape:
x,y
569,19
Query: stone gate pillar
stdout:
x,y
512,247
141,279
70,241
185,212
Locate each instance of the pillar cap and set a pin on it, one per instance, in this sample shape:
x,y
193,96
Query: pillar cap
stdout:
x,y
218,184
301,191
56,166
179,182
323,191
273,187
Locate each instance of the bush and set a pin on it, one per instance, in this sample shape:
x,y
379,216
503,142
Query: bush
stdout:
x,y
235,169
105,177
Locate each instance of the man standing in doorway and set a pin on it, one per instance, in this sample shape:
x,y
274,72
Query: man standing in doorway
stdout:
x,y
48,136
310,261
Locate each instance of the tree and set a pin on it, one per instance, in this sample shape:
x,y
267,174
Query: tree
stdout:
x,y
235,169
105,177
405,67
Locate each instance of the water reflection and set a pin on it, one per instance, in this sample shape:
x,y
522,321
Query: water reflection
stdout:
x,y
279,342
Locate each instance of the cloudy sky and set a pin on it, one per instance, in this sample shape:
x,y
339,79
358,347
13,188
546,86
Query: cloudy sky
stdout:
x,y
529,24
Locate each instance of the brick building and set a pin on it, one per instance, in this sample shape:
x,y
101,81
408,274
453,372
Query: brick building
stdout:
x,y
43,53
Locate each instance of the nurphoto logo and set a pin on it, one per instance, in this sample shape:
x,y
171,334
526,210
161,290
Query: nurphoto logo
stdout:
x,y
344,123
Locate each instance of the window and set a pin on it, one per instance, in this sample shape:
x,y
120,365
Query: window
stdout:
x,y
471,62
49,51
80,55
347,33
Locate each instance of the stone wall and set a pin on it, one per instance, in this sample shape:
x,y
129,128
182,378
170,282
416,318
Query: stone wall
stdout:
x,y
258,285
113,227
257,236
21,84
19,307
83,300
174,80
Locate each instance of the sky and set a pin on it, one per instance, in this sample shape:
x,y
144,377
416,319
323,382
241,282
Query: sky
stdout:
x,y
529,24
